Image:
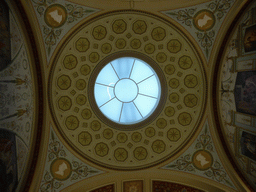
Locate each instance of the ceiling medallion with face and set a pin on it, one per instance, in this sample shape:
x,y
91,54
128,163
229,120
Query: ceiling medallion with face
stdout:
x,y
128,90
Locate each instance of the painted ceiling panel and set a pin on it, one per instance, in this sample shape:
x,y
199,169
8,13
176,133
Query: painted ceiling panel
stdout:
x,y
56,18
99,147
18,98
62,168
201,158
236,93
203,21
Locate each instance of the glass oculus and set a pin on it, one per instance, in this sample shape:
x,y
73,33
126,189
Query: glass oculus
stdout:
x,y
127,90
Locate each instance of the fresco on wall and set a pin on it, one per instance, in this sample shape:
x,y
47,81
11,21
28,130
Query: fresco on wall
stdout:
x,y
107,188
248,145
8,161
245,92
237,94
164,186
250,39
136,185
5,44
17,97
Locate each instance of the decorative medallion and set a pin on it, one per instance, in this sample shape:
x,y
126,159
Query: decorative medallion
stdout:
x,y
56,18
62,168
91,92
55,15
203,21
201,158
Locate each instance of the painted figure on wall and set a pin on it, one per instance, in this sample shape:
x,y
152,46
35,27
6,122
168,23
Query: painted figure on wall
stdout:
x,y
250,39
8,165
245,92
248,145
5,42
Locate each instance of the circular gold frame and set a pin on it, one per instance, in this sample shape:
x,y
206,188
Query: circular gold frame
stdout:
x,y
158,109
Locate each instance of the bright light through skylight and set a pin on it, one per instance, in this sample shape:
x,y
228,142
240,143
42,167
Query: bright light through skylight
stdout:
x,y
127,90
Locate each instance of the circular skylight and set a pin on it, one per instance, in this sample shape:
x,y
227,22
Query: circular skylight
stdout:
x,y
127,90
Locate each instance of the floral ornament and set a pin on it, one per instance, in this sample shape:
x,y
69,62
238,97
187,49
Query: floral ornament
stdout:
x,y
173,134
136,137
82,44
158,146
158,34
135,43
120,154
184,118
190,81
81,99
139,27
169,111
174,46
169,69
65,103
161,57
101,149
174,97
106,48
64,82
107,133
174,83
86,114
55,178
122,137
161,123
185,62
99,32
150,132
95,125
202,161
190,100
72,122
120,43
119,26
70,62
140,153
55,16
80,84
94,57
204,20
85,138
149,48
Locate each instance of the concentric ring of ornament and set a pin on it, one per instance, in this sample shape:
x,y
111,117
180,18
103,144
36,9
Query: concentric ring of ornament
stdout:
x,y
93,46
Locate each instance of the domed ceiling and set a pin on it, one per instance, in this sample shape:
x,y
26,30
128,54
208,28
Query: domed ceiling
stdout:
x,y
182,80
191,58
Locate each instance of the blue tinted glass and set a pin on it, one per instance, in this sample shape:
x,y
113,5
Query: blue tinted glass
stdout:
x,y
106,93
123,66
145,104
140,71
107,76
112,109
127,90
149,87
130,113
